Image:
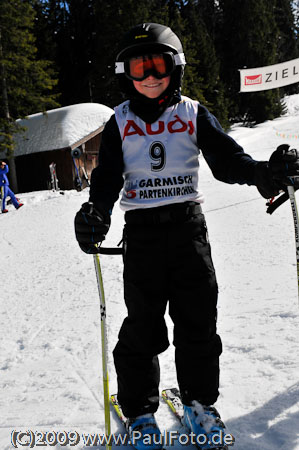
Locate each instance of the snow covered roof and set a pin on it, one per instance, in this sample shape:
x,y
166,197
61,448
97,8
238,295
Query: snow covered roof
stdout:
x,y
59,128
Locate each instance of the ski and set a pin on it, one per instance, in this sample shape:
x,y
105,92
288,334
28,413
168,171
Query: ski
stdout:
x,y
118,410
77,181
122,418
173,399
53,175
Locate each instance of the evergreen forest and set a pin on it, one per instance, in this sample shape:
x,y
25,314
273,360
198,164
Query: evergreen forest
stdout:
x,y
57,53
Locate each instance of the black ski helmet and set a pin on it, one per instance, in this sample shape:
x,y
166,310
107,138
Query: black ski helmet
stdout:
x,y
149,38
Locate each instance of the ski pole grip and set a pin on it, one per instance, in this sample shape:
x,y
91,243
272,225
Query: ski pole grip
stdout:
x,y
110,250
278,202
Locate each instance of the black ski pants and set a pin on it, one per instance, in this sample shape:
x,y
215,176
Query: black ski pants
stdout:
x,y
167,259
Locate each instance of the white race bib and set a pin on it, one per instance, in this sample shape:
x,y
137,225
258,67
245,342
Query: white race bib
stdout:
x,y
161,161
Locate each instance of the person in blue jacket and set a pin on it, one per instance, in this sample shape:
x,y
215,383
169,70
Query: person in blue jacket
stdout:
x,y
5,189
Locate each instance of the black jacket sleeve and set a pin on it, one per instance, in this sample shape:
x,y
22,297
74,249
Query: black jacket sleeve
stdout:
x,y
226,159
107,178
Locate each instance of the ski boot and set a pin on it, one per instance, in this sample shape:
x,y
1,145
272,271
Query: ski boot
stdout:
x,y
144,432
205,423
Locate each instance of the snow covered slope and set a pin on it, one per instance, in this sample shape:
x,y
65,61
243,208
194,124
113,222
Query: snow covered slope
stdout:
x,y
50,355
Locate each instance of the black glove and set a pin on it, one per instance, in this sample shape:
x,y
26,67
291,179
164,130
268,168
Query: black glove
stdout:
x,y
91,227
284,166
273,176
264,181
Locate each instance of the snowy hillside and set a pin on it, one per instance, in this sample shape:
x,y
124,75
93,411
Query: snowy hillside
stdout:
x,y
50,352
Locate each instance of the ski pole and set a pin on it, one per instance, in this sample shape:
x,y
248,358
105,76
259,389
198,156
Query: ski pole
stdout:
x,y
104,348
77,173
291,192
85,176
2,197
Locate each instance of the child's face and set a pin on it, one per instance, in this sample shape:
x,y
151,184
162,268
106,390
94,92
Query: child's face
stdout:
x,y
151,87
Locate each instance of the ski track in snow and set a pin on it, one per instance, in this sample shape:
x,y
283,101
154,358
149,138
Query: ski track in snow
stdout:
x,y
50,353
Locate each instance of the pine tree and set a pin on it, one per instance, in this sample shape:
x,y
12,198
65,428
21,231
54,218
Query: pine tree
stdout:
x,y
248,38
26,82
295,10
286,45
75,50
200,18
114,19
219,37
172,15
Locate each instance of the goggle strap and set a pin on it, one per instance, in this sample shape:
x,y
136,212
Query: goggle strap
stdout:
x,y
119,67
179,60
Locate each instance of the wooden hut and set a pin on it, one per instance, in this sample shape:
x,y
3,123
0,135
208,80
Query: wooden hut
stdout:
x,y
53,137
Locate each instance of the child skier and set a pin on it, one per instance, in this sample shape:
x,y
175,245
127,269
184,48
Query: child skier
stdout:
x,y
5,189
150,150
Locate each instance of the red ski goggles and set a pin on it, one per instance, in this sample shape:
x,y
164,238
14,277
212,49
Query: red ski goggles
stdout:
x,y
160,65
